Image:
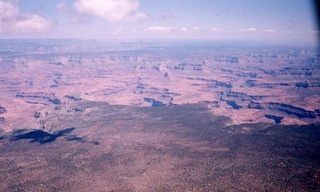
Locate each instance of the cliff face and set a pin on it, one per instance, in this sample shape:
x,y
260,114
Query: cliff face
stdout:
x,y
280,81
255,105
2,110
288,109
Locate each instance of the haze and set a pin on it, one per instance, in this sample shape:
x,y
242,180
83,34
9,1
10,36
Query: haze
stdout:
x,y
149,96
284,22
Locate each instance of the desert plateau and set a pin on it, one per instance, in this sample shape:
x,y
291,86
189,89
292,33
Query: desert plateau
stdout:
x,y
85,115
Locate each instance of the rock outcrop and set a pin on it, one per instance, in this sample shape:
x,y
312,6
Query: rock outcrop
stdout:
x,y
2,110
288,109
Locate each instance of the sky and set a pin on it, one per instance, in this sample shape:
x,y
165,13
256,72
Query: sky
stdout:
x,y
286,21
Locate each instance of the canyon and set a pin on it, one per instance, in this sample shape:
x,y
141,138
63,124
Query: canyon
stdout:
x,y
244,82
173,115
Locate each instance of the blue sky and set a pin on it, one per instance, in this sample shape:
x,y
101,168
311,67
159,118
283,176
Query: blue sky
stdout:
x,y
286,21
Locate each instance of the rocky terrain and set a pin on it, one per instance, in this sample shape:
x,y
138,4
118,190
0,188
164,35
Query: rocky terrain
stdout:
x,y
248,83
158,116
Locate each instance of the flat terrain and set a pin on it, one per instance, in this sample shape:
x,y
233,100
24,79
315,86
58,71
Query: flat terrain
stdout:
x,y
158,116
102,147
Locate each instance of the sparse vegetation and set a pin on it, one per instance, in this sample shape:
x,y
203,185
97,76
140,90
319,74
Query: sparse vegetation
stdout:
x,y
164,116
179,147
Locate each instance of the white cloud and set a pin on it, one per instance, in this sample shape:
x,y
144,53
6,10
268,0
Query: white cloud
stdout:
x,y
213,29
269,31
11,20
184,29
217,29
8,9
62,6
249,30
31,23
111,10
166,29
196,29
160,29
74,17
